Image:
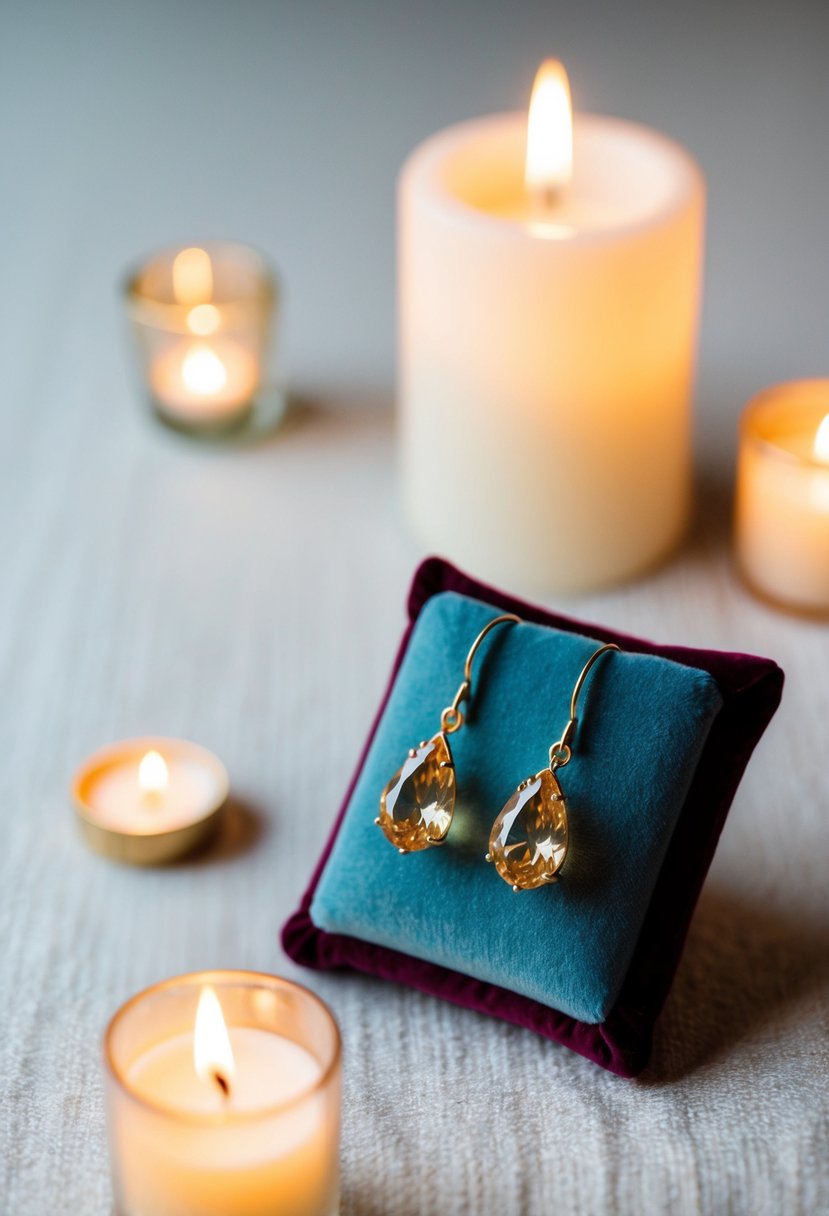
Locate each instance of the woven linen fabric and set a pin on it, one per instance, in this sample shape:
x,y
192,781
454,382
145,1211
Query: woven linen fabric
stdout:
x,y
445,1110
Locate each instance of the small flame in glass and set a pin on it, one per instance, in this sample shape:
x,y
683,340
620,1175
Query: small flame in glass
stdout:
x,y
203,372
549,164
212,1053
153,774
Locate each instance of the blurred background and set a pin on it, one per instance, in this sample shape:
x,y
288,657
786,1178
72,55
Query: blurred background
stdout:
x,y
126,126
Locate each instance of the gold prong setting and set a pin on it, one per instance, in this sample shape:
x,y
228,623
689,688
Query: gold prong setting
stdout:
x,y
417,805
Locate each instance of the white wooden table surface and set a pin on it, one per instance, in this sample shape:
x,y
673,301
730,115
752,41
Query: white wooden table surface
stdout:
x,y
250,598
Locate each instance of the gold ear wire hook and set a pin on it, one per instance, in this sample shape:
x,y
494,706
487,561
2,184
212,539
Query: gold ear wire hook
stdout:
x,y
561,752
452,718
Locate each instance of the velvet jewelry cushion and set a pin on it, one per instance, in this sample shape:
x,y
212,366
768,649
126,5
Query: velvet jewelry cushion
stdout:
x,y
664,735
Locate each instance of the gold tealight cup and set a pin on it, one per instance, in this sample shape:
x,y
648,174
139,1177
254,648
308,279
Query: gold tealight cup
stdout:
x,y
148,801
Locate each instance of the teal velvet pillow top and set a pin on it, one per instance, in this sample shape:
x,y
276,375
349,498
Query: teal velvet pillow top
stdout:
x,y
643,721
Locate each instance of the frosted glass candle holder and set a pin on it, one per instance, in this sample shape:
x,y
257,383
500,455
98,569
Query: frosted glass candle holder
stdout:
x,y
201,317
782,516
195,1130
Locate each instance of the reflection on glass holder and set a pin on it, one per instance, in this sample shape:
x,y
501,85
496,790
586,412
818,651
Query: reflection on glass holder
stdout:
x,y
201,318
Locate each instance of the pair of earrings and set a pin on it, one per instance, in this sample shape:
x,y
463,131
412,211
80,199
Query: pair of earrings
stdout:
x,y
529,838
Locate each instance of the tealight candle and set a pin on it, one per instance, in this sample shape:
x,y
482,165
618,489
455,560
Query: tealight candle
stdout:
x,y
201,318
149,800
549,284
782,514
223,1095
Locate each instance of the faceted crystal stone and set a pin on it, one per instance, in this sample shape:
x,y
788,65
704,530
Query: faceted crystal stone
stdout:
x,y
528,842
416,806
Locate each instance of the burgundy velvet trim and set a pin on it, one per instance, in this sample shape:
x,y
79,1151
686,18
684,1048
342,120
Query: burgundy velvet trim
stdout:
x,y
751,688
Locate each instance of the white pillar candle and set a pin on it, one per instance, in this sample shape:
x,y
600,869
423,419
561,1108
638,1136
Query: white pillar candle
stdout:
x,y
547,342
244,1123
782,517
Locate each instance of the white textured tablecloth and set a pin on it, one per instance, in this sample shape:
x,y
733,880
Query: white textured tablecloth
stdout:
x,y
251,598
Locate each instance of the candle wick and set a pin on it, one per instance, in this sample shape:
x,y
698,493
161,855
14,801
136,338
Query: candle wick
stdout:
x,y
222,1083
549,196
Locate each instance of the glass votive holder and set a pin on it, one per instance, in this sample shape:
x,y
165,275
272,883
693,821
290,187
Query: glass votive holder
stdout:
x,y
782,509
223,1099
201,318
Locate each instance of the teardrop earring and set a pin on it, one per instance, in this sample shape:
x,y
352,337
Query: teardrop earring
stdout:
x,y
417,805
530,836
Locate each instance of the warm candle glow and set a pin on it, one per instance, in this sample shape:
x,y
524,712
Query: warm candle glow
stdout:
x,y
192,276
782,516
821,447
203,319
153,774
203,372
228,1120
212,1053
549,163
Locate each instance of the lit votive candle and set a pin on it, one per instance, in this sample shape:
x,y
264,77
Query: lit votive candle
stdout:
x,y
782,516
223,1095
201,317
149,800
549,284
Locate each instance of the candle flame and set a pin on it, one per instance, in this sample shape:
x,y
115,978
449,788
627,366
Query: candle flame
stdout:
x,y
549,163
203,372
821,446
192,276
153,774
212,1053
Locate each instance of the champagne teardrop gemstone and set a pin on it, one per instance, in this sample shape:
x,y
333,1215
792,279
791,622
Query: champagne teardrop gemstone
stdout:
x,y
528,842
417,805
